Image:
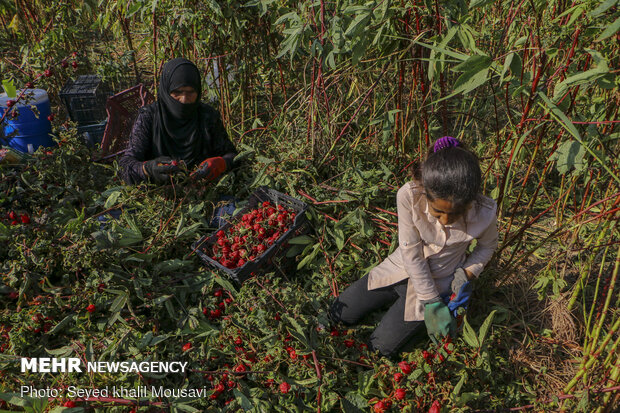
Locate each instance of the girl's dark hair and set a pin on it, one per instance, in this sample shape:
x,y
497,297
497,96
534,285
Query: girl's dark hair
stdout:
x,y
452,174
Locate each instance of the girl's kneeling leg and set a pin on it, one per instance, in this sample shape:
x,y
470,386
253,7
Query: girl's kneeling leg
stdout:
x,y
356,301
393,331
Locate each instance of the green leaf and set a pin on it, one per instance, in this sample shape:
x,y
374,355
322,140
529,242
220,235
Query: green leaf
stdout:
x,y
358,24
9,88
14,398
309,257
469,334
354,403
568,155
589,76
602,8
243,400
339,238
485,327
568,125
475,70
474,64
62,324
119,302
301,240
610,30
479,3
61,352
225,284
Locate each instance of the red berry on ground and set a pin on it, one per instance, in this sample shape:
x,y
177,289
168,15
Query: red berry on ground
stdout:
x,y
64,63
349,343
285,387
70,403
12,215
74,65
91,308
13,295
48,72
51,117
220,234
435,408
400,394
379,407
10,103
24,218
398,377
187,346
405,367
30,85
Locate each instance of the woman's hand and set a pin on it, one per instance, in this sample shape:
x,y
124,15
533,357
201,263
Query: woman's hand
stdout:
x,y
210,169
439,321
158,170
460,278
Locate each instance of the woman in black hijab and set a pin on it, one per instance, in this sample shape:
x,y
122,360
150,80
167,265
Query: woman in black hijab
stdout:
x,y
177,127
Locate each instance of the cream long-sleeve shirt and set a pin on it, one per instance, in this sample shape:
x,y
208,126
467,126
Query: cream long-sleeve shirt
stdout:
x,y
429,252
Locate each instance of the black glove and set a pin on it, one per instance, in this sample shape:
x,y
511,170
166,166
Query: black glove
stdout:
x,y
158,170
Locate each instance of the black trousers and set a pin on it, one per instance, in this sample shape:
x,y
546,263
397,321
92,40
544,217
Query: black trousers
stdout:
x,y
393,332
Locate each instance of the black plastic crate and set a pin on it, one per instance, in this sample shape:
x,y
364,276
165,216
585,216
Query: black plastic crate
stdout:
x,y
85,99
262,262
92,134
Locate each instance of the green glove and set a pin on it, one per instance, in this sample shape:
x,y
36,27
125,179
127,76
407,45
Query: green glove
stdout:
x,y
439,322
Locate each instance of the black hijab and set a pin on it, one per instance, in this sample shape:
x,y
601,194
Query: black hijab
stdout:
x,y
177,130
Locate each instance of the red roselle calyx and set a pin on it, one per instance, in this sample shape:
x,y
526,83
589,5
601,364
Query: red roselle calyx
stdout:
x,y
251,235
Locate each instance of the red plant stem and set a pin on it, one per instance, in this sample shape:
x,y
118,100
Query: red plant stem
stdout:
x,y
384,242
602,122
374,85
320,377
386,211
302,193
272,296
231,372
282,83
533,89
336,201
527,175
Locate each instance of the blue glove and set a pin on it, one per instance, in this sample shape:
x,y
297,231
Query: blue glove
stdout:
x,y
461,299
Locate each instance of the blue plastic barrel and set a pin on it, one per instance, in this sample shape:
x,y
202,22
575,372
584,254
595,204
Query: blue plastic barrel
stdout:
x,y
29,128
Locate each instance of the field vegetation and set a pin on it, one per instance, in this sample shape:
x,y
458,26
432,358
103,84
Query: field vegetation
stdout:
x,y
332,103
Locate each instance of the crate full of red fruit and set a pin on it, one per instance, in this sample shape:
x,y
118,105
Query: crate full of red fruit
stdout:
x,y
251,238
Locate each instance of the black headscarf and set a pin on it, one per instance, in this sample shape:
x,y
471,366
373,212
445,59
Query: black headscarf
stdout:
x,y
177,130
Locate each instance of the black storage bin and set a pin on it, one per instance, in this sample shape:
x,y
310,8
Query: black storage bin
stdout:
x,y
85,99
92,134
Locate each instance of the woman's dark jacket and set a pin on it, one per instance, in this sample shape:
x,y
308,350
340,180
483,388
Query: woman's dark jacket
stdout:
x,y
141,146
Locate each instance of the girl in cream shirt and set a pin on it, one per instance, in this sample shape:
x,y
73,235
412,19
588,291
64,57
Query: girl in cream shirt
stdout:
x,y
439,215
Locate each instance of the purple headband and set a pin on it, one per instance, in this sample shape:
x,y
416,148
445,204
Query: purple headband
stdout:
x,y
445,142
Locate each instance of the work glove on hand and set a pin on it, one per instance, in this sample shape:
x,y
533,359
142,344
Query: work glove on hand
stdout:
x,y
210,169
158,170
461,292
439,321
